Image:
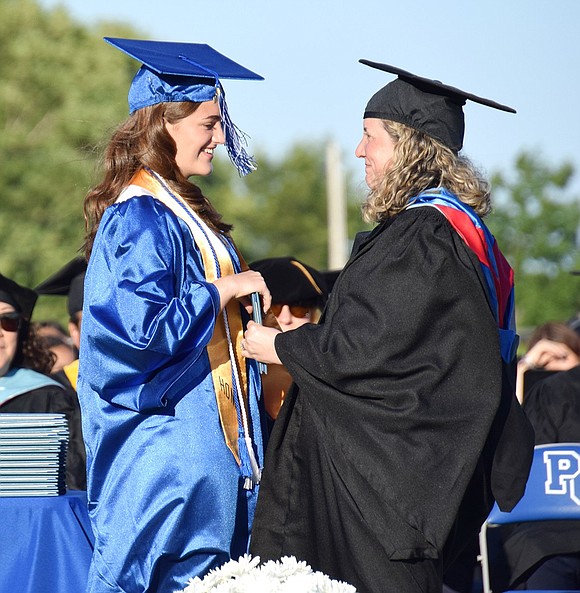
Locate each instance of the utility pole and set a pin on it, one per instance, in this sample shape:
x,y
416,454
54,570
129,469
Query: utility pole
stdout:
x,y
336,208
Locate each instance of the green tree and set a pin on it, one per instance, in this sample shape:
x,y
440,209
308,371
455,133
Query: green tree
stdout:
x,y
61,93
536,221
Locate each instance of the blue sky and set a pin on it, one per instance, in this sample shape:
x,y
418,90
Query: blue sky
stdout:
x,y
523,53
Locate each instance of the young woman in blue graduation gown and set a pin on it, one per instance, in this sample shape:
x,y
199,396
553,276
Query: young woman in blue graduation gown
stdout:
x,y
171,411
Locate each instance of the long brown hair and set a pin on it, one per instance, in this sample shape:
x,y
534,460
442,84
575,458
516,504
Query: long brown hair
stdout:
x,y
143,141
420,163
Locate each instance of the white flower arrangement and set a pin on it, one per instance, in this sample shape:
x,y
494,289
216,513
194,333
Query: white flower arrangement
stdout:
x,y
246,575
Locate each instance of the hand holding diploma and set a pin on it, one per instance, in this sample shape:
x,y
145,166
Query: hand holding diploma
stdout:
x,y
241,286
258,343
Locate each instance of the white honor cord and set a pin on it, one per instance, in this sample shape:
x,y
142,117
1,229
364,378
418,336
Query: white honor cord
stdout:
x,y
211,237
256,473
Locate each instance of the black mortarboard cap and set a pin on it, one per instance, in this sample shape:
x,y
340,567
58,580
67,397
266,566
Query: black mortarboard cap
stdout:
x,y
174,71
291,281
429,106
69,282
21,298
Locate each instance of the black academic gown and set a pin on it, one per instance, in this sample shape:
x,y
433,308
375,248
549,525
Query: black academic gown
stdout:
x,y
399,406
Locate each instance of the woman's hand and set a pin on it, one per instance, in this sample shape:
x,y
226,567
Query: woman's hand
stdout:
x,y
547,355
240,286
550,355
258,343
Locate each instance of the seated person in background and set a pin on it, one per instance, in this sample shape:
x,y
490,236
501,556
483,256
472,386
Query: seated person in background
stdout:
x,y
298,296
57,340
553,407
24,364
546,554
552,347
69,282
298,290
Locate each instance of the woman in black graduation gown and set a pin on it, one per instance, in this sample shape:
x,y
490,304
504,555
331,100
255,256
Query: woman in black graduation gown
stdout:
x,y
24,366
402,426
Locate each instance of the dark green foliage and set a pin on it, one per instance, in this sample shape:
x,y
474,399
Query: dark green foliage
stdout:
x,y
536,221
62,91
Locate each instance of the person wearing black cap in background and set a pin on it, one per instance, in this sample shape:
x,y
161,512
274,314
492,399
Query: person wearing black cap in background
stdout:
x,y
402,426
25,362
69,282
172,412
298,290
299,293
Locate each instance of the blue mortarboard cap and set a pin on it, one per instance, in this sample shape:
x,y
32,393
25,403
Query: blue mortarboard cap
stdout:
x,y
174,71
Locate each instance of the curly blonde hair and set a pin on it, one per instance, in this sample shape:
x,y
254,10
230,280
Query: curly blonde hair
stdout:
x,y
143,140
420,163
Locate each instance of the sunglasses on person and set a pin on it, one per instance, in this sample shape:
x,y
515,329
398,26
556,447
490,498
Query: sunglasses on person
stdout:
x,y
296,310
10,322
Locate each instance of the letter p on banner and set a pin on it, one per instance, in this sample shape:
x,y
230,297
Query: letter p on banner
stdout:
x,y
562,470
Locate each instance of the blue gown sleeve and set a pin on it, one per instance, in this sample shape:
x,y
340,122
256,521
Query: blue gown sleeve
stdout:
x,y
149,312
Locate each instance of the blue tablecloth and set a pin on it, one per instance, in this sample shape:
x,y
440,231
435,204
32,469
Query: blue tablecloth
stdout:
x,y
46,544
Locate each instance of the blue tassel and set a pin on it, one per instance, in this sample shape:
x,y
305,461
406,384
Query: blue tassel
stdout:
x,y
236,140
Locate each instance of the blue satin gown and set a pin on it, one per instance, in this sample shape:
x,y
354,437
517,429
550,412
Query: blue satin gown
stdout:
x,y
166,496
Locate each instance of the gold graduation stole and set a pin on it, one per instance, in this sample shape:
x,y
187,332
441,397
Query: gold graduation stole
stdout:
x,y
224,349
71,372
